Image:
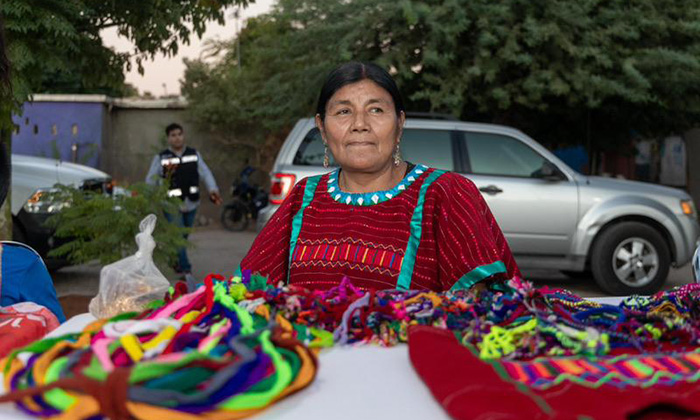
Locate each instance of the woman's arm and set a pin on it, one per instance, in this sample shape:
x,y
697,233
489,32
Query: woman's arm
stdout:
x,y
471,246
269,254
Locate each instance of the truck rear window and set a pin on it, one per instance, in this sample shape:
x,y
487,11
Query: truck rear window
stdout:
x,y
310,151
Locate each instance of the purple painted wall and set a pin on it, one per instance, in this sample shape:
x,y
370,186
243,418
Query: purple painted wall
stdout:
x,y
70,131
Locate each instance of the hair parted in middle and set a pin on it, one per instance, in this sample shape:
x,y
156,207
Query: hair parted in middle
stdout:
x,y
353,72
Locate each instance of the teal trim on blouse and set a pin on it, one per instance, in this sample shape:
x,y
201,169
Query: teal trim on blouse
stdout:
x,y
309,192
238,272
409,259
476,275
372,198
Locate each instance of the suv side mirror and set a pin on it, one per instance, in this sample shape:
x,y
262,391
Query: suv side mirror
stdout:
x,y
550,172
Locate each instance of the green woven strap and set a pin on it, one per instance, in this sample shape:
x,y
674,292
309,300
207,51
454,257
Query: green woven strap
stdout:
x,y
479,273
409,259
309,192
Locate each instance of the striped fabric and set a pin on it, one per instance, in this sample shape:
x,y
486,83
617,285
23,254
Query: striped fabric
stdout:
x,y
348,251
622,371
458,240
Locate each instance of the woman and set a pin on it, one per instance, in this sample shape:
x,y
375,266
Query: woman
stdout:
x,y
382,222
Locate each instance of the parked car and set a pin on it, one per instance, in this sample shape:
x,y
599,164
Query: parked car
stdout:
x,y
628,234
34,178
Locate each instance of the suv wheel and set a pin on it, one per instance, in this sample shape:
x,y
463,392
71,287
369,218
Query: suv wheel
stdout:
x,y
630,258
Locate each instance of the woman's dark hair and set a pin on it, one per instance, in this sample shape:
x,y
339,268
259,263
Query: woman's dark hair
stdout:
x,y
172,127
354,72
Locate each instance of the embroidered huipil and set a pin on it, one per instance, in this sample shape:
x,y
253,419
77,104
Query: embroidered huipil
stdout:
x,y
432,231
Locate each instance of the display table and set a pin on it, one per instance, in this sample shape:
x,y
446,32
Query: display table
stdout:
x,y
352,383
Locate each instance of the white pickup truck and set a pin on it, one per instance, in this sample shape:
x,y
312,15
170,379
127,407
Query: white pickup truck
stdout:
x,y
33,177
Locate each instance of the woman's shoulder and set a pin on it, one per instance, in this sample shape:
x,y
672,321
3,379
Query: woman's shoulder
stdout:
x,y
312,181
449,183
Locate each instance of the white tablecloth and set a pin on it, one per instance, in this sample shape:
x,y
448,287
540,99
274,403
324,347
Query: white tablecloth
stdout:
x,y
352,383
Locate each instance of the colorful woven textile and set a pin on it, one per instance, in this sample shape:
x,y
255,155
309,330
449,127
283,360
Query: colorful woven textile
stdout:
x,y
471,388
512,321
433,231
230,348
195,356
548,353
23,323
621,371
553,355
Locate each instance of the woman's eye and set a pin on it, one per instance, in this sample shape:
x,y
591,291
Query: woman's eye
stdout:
x,y
376,110
343,112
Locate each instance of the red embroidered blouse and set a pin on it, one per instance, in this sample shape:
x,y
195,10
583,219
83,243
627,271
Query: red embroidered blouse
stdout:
x,y
432,231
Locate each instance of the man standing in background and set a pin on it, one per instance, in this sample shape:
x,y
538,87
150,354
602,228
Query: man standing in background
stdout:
x,y
183,166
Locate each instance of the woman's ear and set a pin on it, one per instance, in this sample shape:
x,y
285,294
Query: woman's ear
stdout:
x,y
402,121
319,125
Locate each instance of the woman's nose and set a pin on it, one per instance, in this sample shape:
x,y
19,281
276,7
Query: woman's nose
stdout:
x,y
360,123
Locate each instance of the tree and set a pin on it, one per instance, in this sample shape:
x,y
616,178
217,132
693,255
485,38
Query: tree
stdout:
x,y
101,227
562,70
6,105
55,45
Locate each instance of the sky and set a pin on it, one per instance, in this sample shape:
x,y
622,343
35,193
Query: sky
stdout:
x,y
162,75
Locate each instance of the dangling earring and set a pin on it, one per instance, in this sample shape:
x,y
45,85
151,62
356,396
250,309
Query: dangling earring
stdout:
x,y
326,160
397,156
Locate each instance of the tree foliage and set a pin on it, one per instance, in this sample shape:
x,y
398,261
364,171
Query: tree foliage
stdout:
x,y
55,45
102,227
562,70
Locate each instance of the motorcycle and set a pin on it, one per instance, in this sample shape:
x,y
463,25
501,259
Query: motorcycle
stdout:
x,y
244,207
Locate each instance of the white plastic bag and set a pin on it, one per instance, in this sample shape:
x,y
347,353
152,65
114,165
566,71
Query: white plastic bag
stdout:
x,y
130,284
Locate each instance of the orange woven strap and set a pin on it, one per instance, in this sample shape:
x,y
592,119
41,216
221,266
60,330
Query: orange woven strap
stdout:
x,y
111,395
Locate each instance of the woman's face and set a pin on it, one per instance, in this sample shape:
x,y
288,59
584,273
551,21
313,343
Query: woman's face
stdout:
x,y
361,127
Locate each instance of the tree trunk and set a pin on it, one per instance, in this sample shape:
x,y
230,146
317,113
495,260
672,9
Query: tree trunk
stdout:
x,y
5,221
5,174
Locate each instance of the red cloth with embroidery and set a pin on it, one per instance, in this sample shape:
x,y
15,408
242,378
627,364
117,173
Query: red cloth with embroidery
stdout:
x,y
368,243
469,388
22,324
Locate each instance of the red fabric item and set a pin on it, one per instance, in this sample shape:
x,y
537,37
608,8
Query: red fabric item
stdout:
x,y
24,323
469,388
368,243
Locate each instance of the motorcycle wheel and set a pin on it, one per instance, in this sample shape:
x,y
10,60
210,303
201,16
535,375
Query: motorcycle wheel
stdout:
x,y
234,217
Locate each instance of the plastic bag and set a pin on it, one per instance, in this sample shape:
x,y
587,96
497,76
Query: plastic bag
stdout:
x,y
128,285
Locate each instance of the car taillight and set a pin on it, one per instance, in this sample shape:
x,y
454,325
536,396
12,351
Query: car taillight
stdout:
x,y
280,186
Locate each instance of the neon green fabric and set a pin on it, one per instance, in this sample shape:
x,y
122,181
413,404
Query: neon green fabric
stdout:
x,y
479,273
58,397
283,375
309,191
404,280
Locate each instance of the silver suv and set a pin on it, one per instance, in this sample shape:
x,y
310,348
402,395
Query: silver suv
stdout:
x,y
33,178
628,234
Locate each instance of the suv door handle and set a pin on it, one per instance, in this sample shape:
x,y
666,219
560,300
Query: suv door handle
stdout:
x,y
491,189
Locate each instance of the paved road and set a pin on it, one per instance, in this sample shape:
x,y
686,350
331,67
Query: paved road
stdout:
x,y
219,251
